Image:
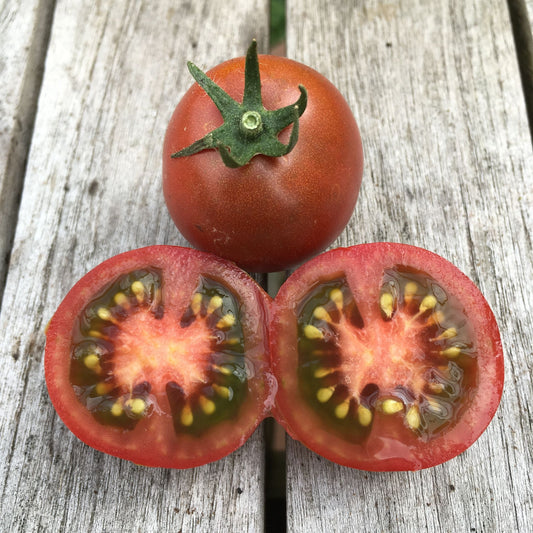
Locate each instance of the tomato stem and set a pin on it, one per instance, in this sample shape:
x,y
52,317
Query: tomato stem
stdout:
x,y
251,123
258,128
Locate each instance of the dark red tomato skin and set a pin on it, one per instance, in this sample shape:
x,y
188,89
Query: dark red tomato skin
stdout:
x,y
181,267
382,451
272,213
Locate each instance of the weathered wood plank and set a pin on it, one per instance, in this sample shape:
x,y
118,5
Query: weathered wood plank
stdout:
x,y
24,30
436,90
114,72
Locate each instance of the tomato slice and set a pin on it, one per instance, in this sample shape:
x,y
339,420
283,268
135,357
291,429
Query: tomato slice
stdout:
x,y
387,357
159,356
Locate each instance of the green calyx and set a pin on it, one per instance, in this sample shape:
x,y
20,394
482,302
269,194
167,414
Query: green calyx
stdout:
x,y
248,129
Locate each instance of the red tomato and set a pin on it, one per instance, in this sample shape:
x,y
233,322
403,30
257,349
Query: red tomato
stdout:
x,y
387,357
159,356
273,212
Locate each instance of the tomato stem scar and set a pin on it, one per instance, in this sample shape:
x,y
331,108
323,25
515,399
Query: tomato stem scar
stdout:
x,y
248,129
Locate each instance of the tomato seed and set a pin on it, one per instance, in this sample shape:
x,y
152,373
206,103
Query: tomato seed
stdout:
x,y
138,290
452,352
412,417
386,303
312,332
187,417
323,395
207,405
391,406
364,415
341,411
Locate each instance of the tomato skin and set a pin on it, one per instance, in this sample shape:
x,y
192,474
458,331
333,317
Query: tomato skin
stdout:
x,y
153,442
390,446
272,213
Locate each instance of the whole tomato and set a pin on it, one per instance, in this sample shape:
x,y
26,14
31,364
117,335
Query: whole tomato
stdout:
x,y
270,213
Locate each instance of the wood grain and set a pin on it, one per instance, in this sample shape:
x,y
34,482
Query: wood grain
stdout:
x,y
436,90
114,72
24,31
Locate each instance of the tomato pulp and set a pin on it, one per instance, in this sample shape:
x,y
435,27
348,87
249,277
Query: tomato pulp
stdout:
x,y
159,356
273,212
387,357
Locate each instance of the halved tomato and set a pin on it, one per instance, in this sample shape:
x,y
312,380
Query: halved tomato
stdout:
x,y
159,356
387,357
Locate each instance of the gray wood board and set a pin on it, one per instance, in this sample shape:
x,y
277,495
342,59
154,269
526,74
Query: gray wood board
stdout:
x,y
436,90
24,30
114,72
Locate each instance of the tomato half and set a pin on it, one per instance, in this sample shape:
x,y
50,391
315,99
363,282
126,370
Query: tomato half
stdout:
x,y
159,356
387,357
273,212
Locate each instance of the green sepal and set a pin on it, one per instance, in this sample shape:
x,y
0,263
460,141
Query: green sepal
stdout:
x,y
239,140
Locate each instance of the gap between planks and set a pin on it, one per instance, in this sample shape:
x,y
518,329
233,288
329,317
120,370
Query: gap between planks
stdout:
x,y
523,40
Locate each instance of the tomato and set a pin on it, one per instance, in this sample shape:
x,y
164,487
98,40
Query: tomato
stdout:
x,y
387,357
273,212
159,356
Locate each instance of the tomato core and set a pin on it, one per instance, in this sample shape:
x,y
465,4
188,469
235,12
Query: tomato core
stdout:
x,y
160,350
386,354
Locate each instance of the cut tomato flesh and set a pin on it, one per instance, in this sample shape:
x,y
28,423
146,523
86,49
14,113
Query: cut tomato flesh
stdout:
x,y
396,352
159,351
390,363
159,356
136,356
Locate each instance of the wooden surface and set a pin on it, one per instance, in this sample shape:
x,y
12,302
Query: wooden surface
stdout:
x,y
24,30
436,90
435,87
92,188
